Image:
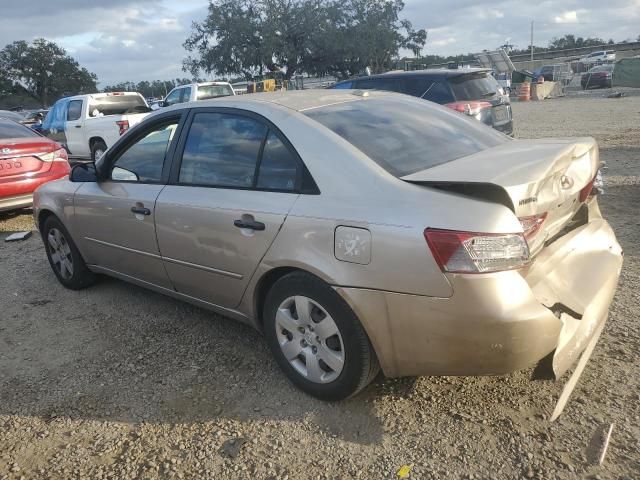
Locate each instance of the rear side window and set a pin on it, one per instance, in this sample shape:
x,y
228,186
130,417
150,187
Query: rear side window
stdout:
x,y
206,92
405,136
10,129
438,92
186,95
74,110
278,166
380,83
415,86
473,86
343,85
222,150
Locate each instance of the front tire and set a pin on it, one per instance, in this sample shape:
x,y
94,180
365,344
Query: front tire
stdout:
x,y
316,338
64,257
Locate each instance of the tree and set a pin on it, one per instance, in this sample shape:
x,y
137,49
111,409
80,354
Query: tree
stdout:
x,y
571,41
249,37
44,70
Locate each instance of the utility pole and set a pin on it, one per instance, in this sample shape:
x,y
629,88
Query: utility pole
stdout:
x,y
532,40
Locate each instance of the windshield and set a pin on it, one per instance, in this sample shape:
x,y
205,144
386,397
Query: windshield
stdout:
x,y
602,68
213,91
118,105
406,136
9,129
473,86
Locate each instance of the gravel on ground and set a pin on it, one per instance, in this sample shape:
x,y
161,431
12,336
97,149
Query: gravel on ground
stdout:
x,y
116,382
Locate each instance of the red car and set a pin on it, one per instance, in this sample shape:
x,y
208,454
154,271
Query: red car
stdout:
x,y
27,160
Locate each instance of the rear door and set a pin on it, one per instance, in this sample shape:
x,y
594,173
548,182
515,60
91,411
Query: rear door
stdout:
x,y
234,181
116,217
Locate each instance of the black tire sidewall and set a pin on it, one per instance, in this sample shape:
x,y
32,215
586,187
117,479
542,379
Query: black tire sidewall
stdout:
x,y
82,276
357,348
95,146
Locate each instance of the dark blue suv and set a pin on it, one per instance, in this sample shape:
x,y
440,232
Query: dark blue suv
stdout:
x,y
472,91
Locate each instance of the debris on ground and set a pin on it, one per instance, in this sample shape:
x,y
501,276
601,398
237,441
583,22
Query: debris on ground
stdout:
x,y
15,237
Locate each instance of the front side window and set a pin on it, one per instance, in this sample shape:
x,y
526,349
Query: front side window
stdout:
x,y
278,166
75,110
222,150
143,161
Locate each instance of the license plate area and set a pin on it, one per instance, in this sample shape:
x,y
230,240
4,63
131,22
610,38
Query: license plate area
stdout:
x,y
500,114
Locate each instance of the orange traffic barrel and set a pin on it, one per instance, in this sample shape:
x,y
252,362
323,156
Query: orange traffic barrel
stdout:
x,y
525,92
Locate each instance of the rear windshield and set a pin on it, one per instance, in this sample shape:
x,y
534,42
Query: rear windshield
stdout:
x,y
214,91
473,86
118,105
406,136
9,129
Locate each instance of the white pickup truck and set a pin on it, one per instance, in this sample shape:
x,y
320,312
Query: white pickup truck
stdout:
x,y
89,124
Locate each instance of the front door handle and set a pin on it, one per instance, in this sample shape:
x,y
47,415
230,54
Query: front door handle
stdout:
x,y
141,210
250,224
78,126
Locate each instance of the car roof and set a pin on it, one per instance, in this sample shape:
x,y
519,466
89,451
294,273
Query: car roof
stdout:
x,y
434,72
298,100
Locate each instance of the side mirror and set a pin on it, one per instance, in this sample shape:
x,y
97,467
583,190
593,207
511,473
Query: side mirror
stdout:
x,y
83,172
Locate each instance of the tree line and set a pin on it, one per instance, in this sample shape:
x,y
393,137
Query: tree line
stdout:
x,y
250,38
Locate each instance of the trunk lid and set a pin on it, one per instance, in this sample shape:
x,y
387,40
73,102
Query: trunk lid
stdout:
x,y
20,156
531,177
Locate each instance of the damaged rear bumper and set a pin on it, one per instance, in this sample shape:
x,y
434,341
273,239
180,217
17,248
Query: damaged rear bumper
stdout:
x,y
502,322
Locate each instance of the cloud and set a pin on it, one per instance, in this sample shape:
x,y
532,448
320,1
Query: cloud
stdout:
x,y
566,17
133,40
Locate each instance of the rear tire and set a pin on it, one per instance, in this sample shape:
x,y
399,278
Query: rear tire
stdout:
x,y
97,149
64,257
306,322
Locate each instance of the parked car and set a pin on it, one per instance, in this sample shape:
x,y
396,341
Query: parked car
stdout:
x,y
474,92
196,92
11,115
599,76
596,58
87,125
27,160
560,72
34,117
355,229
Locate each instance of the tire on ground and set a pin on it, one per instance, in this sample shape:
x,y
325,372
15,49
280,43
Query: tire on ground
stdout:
x,y
81,277
360,362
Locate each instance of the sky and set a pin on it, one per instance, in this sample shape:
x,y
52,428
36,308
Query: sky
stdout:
x,y
133,40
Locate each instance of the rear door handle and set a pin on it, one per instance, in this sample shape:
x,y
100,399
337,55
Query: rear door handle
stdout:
x,y
141,210
250,224
78,126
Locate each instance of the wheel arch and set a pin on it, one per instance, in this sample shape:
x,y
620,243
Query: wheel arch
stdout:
x,y
94,139
43,215
264,284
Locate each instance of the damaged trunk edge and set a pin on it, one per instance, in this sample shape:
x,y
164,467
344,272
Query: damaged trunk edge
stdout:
x,y
576,259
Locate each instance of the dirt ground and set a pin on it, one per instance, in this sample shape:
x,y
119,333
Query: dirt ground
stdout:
x,y
116,382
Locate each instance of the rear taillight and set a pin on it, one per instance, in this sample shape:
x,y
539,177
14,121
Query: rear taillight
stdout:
x,y
468,108
59,155
586,190
532,224
123,125
470,252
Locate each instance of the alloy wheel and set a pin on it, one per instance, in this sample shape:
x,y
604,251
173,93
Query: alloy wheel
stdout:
x,y
60,253
309,339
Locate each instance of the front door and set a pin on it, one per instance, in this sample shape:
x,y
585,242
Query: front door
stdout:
x,y
116,217
235,184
